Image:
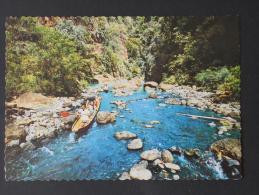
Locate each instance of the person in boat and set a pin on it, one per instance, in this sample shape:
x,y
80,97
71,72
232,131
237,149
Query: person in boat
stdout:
x,y
85,113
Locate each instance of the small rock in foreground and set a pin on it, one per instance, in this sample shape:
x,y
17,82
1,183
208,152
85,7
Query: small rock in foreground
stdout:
x,y
124,176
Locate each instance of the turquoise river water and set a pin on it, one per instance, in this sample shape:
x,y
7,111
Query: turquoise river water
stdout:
x,y
98,155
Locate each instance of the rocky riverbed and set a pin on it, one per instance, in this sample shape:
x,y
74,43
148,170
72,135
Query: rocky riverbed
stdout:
x,y
141,126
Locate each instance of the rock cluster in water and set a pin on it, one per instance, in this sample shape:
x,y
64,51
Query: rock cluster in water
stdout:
x,y
152,161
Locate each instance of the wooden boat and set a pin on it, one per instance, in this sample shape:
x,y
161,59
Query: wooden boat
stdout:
x,y
79,126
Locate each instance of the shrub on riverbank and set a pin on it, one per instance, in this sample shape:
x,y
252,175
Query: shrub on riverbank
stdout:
x,y
226,80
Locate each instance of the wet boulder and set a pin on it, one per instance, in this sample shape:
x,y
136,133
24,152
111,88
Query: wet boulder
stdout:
x,y
135,144
150,155
105,117
124,135
212,124
167,156
140,172
172,166
228,147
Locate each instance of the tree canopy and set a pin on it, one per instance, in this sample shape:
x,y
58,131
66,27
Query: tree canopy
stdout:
x,y
60,55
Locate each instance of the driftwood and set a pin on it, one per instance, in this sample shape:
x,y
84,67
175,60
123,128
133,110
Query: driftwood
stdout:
x,y
202,117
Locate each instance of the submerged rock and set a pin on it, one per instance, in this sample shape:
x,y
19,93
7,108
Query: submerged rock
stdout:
x,y
105,117
212,124
119,104
192,153
150,155
154,122
162,105
124,135
135,144
228,147
167,156
152,95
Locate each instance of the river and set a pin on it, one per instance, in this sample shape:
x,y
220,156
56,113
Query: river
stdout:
x,y
98,155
